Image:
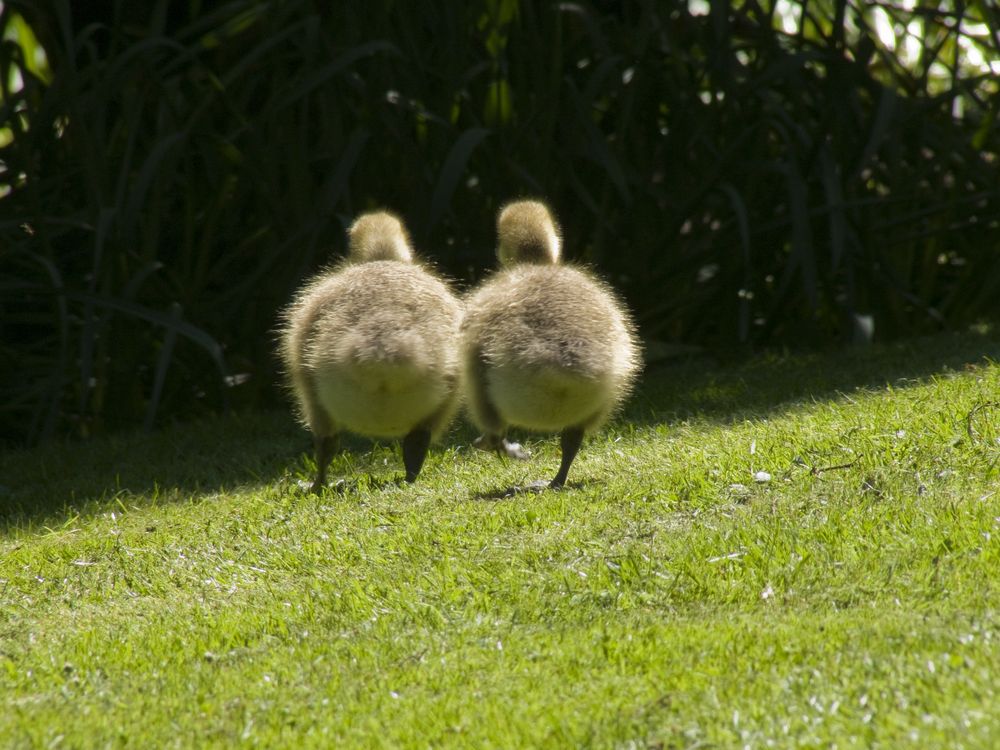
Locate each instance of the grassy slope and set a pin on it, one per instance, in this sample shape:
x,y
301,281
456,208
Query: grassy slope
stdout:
x,y
175,589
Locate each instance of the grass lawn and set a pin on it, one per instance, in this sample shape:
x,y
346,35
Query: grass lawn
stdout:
x,y
794,551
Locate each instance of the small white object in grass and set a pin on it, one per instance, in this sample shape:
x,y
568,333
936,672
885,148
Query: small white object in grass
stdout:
x,y
753,447
767,593
730,556
499,645
761,477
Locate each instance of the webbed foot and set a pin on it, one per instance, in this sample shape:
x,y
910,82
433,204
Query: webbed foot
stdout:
x,y
502,446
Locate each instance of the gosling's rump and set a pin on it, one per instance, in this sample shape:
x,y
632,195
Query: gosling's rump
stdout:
x,y
379,346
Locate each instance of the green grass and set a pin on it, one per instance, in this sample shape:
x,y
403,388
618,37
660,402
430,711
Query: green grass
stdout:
x,y
177,589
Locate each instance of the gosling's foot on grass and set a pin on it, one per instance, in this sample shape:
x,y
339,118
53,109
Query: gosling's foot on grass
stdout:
x,y
534,488
317,488
503,493
501,446
540,485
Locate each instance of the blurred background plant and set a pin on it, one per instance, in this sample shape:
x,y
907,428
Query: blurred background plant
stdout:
x,y
793,172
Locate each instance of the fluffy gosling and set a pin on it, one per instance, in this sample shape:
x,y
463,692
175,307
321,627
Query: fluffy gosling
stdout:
x,y
545,346
370,346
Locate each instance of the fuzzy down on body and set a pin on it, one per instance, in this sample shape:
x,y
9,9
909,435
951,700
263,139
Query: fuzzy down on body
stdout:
x,y
549,347
365,357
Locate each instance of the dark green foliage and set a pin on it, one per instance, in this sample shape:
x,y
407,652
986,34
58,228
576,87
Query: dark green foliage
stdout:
x,y
187,164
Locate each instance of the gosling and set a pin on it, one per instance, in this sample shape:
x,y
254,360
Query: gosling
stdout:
x,y
546,347
370,346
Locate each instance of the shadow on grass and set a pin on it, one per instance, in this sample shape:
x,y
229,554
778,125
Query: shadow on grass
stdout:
x,y
50,484
47,485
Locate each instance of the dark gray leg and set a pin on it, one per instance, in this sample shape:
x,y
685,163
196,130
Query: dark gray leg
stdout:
x,y
572,438
326,446
415,446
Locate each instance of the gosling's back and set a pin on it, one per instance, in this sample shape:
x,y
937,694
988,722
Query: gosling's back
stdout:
x,y
552,344
377,346
370,345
